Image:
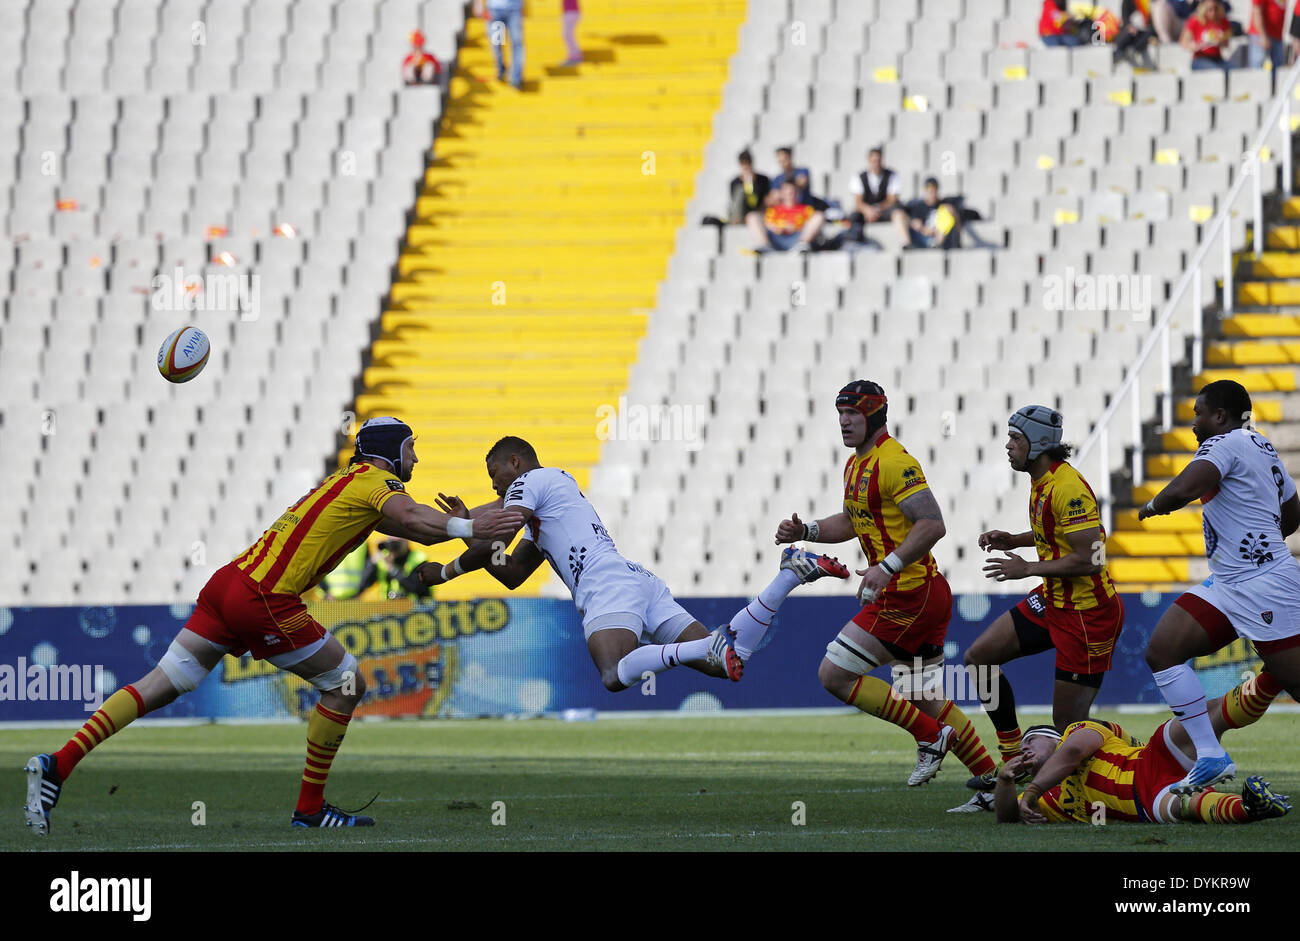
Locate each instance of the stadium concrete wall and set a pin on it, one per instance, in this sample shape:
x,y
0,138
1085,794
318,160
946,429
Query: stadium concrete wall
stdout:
x,y
502,657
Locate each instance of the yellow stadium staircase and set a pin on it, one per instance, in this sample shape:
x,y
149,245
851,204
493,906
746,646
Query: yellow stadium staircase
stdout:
x,y
544,227
1260,348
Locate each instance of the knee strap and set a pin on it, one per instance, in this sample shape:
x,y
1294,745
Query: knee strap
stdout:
x,y
182,669
850,656
333,679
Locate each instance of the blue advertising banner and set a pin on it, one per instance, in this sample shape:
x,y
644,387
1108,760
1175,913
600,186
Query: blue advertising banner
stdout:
x,y
509,657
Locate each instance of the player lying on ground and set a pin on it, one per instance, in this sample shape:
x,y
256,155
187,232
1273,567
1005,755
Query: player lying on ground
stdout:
x,y
889,508
1250,506
253,604
1098,763
1076,611
632,623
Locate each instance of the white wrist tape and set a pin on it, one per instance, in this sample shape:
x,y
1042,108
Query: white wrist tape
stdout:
x,y
459,528
454,565
811,531
892,563
1151,506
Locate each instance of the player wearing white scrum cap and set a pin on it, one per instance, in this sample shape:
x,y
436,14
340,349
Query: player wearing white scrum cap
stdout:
x,y
1249,507
1076,611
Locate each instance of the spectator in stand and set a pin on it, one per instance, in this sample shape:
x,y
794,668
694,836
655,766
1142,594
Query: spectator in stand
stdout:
x,y
876,192
1206,35
396,570
505,16
929,222
787,224
1056,27
1136,33
1169,16
749,191
1267,18
799,175
571,13
421,67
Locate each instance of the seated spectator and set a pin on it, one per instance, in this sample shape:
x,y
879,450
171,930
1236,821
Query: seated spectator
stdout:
x,y
1056,27
396,570
799,175
1136,34
875,194
787,224
1267,19
749,191
929,222
1206,35
421,67
1168,17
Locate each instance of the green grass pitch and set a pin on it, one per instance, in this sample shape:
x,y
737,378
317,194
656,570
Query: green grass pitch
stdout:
x,y
724,783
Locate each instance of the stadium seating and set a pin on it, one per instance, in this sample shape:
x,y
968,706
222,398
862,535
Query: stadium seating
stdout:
x,y
141,137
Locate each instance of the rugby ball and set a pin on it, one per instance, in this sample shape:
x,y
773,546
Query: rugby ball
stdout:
x,y
183,354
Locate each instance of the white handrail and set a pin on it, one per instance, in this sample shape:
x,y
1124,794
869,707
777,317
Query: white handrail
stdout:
x,y
1277,119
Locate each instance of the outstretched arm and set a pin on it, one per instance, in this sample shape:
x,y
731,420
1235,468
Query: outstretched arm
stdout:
x,y
837,528
1197,479
420,523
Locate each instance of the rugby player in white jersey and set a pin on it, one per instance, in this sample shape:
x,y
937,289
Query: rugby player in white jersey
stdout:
x,y
1249,507
632,623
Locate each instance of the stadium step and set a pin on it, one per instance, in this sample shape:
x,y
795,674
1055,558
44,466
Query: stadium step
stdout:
x,y
541,234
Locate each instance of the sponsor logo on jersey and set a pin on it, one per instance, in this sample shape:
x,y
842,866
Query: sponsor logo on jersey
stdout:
x,y
396,485
1037,604
1255,549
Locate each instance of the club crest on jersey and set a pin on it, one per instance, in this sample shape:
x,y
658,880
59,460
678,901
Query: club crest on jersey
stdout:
x,y
396,485
1267,616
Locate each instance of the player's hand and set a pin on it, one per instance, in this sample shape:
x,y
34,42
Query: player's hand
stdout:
x,y
996,539
1013,768
452,506
429,573
497,524
1146,511
874,581
790,530
1029,812
1006,569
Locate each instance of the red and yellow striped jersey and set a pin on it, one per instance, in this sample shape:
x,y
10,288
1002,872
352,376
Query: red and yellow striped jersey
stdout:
x,y
1109,777
1060,503
308,540
874,485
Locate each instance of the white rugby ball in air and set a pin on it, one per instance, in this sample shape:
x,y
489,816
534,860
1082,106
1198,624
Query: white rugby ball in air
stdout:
x,y
183,354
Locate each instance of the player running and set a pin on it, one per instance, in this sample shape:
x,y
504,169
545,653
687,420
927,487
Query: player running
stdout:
x,y
889,508
1076,611
632,623
253,604
1099,763
1249,507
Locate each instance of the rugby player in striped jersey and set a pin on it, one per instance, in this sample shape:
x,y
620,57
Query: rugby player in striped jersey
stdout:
x,y
253,605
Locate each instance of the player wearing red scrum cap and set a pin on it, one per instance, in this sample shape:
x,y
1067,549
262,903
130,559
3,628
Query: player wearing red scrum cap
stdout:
x,y
889,508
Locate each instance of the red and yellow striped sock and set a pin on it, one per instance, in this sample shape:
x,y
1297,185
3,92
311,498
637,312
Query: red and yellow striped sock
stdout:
x,y
965,744
1009,744
118,711
876,697
1215,807
1244,704
325,731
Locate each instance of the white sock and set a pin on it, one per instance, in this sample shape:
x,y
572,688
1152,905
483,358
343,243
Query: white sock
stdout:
x,y
752,621
1186,698
655,658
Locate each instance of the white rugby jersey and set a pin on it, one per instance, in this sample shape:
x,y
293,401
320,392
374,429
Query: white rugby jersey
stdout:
x,y
567,530
1241,517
